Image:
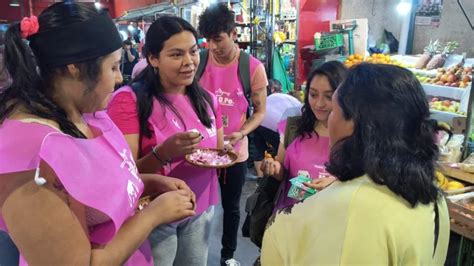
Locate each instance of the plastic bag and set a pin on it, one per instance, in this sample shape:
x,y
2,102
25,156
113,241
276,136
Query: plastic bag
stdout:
x,y
450,151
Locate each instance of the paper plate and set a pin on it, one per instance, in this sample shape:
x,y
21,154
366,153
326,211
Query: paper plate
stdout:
x,y
201,157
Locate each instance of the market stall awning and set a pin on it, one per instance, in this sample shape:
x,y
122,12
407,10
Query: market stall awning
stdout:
x,y
148,11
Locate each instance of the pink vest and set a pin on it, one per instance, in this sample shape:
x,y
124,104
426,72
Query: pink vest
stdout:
x,y
224,82
202,181
307,154
98,172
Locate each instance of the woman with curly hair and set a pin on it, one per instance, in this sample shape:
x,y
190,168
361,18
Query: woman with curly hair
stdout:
x,y
384,209
309,150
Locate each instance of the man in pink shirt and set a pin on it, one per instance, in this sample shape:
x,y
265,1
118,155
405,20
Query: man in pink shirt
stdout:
x,y
221,77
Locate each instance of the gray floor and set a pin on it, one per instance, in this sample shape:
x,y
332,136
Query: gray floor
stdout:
x,y
246,252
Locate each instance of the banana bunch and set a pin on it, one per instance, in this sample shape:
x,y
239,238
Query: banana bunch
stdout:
x,y
441,180
444,125
445,184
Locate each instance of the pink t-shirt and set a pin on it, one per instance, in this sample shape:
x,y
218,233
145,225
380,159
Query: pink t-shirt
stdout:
x,y
304,154
99,172
224,82
165,123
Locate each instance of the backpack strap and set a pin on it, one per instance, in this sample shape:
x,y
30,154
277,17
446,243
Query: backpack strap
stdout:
x,y
290,130
244,76
203,56
244,71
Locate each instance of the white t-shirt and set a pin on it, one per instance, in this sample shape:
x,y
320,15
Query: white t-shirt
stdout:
x,y
277,104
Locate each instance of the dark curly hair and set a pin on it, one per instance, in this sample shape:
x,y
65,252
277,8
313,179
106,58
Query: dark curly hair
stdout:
x,y
216,19
393,140
335,72
32,89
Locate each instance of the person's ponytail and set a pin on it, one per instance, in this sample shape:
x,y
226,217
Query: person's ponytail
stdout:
x,y
19,59
20,64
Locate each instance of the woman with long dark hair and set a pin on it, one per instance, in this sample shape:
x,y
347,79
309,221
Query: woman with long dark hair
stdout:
x,y
385,208
309,150
164,115
69,188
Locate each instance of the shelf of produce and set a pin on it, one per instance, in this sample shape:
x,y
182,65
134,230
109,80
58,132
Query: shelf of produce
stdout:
x,y
444,116
444,91
430,73
456,173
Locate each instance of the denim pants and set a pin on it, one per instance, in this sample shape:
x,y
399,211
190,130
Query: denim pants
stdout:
x,y
183,243
8,252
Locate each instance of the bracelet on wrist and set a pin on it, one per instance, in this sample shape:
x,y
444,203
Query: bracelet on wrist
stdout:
x,y
155,153
243,135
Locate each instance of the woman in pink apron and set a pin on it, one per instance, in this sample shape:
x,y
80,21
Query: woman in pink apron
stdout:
x,y
164,115
69,187
309,151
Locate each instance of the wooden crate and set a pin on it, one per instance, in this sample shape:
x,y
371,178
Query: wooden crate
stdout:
x,y
462,218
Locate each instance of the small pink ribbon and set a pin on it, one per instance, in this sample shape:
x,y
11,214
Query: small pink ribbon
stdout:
x,y
29,26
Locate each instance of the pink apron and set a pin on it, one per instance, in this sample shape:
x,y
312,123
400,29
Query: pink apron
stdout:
x,y
100,172
202,181
224,82
307,155
165,123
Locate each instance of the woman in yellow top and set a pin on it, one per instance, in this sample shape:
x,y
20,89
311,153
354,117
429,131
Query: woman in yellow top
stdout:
x,y
385,209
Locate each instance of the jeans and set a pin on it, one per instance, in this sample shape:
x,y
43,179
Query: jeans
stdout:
x,y
182,243
231,181
8,252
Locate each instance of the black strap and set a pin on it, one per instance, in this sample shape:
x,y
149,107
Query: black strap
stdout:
x,y
244,73
203,56
290,130
436,232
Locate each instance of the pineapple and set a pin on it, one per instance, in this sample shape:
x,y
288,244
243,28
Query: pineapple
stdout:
x,y
430,50
439,59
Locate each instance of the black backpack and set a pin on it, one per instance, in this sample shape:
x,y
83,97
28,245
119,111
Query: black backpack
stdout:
x,y
243,72
259,206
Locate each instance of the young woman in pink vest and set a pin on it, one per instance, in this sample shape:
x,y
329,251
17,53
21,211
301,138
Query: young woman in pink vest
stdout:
x,y
165,115
69,187
309,151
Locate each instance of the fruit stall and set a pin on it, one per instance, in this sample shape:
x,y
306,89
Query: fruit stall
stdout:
x,y
448,89
458,185
447,80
